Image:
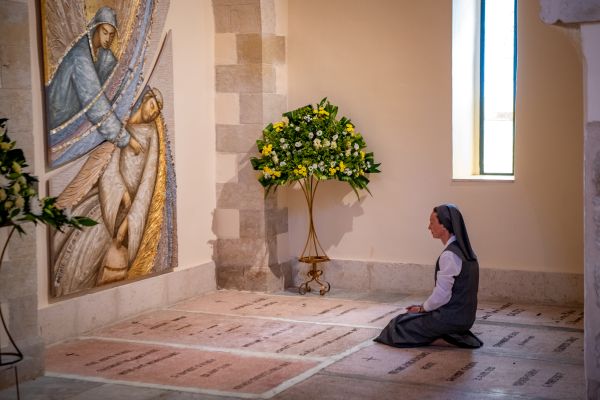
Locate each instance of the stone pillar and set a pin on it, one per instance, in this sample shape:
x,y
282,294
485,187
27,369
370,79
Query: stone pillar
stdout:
x,y
18,272
588,12
590,40
250,64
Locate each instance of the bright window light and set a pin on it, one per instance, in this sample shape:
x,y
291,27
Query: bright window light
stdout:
x,y
498,87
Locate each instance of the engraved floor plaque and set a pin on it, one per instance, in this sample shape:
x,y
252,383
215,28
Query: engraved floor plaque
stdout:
x,y
254,345
340,311
249,334
171,366
466,370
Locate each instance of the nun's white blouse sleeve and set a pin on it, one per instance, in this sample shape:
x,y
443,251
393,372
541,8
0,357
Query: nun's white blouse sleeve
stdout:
x,y
450,267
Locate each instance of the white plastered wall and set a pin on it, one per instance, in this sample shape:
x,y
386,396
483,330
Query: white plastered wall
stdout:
x,y
387,64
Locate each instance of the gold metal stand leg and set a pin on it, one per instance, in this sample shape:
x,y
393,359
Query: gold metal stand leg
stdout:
x,y
314,273
313,252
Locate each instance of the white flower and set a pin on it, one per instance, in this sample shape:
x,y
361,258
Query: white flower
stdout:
x,y
356,146
297,129
333,145
4,181
35,206
348,172
307,118
275,159
319,133
311,135
317,143
335,136
348,153
68,213
298,144
282,140
314,166
326,143
355,154
332,164
285,146
282,164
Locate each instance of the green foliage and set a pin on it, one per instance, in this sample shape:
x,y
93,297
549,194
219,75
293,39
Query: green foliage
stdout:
x,y
19,201
311,142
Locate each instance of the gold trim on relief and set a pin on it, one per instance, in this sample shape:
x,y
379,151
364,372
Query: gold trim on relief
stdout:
x,y
146,255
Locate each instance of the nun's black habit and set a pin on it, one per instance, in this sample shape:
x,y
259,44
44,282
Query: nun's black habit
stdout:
x,y
452,321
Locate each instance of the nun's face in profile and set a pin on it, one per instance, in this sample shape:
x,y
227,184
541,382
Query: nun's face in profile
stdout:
x,y
437,230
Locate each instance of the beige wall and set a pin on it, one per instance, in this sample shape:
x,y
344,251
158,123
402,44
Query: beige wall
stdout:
x,y
387,64
192,24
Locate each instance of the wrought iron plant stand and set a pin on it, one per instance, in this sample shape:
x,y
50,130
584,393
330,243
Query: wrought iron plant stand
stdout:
x,y
9,357
313,252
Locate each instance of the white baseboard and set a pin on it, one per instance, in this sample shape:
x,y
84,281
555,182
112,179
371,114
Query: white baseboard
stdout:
x,y
494,284
74,316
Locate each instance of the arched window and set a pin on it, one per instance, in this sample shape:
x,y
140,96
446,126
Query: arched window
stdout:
x,y
484,49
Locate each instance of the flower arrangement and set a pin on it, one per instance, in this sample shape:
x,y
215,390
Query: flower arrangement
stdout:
x,y
311,142
19,201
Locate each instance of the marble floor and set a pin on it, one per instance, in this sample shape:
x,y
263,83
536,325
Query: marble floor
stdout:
x,y
242,345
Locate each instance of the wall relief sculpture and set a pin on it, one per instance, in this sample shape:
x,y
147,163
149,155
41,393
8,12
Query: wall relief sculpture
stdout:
x,y
109,135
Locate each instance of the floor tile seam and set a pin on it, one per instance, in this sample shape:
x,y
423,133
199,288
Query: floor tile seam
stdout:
x,y
444,388
214,349
283,319
315,370
188,389
530,326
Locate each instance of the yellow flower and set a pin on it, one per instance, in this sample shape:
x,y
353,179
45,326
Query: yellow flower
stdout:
x,y
278,126
300,171
266,150
16,188
16,167
20,202
277,174
8,205
332,171
350,128
362,155
342,166
2,195
5,146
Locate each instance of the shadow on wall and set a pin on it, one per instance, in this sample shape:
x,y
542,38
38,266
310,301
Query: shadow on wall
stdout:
x,y
334,210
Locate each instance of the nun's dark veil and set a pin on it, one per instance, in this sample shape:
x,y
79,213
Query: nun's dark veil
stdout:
x,y
452,219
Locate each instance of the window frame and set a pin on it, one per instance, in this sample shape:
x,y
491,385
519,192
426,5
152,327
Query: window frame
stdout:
x,y
482,90
467,93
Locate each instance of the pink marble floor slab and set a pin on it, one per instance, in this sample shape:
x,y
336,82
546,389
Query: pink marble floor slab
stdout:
x,y
252,334
300,308
467,370
332,387
540,343
172,366
552,316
